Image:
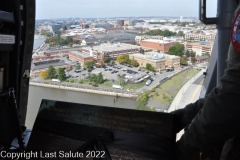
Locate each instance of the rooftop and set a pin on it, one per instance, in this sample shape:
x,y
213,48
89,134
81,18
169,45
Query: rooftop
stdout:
x,y
82,54
156,41
145,57
113,47
46,64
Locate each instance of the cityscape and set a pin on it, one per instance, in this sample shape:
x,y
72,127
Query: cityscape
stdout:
x,y
123,56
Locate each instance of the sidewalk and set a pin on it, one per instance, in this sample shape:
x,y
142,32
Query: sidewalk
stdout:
x,y
188,89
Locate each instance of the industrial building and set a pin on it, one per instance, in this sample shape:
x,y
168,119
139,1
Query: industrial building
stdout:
x,y
112,51
154,44
81,57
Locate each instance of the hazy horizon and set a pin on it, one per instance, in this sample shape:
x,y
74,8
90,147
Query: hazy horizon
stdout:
x,y
54,9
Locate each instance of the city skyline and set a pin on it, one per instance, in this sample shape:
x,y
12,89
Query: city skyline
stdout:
x,y
106,8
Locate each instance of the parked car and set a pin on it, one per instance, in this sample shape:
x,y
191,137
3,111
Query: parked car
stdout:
x,y
148,82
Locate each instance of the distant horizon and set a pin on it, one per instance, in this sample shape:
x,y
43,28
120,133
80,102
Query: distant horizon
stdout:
x,y
54,9
119,17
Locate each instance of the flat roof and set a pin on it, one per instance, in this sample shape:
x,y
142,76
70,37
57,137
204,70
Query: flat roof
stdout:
x,y
113,47
144,57
82,54
46,65
156,41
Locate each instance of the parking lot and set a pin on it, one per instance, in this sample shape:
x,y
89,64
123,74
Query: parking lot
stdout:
x,y
111,73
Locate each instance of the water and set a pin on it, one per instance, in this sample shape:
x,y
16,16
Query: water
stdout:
x,y
38,43
36,94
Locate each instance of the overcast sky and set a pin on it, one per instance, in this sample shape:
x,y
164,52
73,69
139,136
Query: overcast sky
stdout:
x,y
48,9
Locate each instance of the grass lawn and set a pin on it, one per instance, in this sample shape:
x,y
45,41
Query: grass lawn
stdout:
x,y
163,97
165,92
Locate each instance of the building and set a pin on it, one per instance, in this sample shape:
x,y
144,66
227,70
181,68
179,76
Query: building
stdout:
x,y
81,57
126,23
172,61
43,65
202,59
199,36
120,22
139,38
121,37
158,60
200,47
56,27
112,51
154,44
101,25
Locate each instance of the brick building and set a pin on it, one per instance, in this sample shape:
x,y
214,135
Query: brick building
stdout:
x,y
200,47
154,44
80,57
112,51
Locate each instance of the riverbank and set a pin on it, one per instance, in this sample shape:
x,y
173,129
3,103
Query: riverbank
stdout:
x,y
117,93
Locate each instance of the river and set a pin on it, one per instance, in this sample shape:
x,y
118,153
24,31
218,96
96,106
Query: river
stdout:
x,y
36,94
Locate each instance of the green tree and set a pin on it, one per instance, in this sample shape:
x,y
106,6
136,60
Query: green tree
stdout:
x,y
99,79
112,62
176,49
51,72
78,67
187,53
90,64
159,32
96,78
206,54
134,63
142,51
150,67
183,61
106,60
61,74
180,33
122,82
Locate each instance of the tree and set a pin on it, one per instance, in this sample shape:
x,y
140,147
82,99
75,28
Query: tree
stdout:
x,y
150,67
96,78
193,59
112,62
206,54
142,51
61,74
120,58
43,74
180,34
51,72
78,67
122,82
99,79
176,49
123,58
134,63
159,32
106,60
90,64
183,61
